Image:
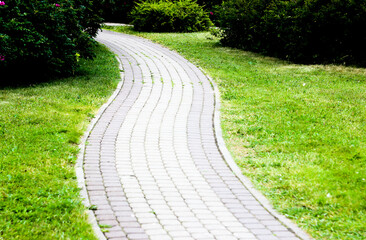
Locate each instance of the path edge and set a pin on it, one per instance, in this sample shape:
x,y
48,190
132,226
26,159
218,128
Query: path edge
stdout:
x,y
237,171
80,158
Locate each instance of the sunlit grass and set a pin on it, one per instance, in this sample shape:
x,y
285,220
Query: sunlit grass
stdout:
x,y
40,127
298,131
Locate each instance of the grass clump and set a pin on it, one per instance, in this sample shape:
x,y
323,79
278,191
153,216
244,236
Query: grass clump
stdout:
x,y
298,131
40,127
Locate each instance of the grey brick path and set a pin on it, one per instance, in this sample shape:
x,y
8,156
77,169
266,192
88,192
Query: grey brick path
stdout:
x,y
152,165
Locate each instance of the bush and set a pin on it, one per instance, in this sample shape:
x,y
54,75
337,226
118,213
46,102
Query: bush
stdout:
x,y
117,10
209,4
170,16
44,38
307,31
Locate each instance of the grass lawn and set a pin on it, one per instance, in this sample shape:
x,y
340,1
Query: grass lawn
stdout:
x,y
297,131
40,127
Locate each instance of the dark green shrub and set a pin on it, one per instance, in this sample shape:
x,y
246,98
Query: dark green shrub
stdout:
x,y
210,6
44,38
170,16
308,31
117,10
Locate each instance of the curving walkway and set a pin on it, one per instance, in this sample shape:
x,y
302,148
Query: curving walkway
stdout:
x,y
152,163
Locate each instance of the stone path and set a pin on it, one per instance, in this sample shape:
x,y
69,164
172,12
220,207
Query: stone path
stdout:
x,y
152,164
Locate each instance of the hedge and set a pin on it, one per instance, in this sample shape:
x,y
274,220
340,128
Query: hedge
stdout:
x,y
306,31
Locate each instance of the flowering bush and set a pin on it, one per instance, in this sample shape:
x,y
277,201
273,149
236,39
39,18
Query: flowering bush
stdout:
x,y
170,16
311,31
43,37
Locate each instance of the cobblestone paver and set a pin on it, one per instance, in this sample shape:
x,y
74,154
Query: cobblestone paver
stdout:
x,y
152,165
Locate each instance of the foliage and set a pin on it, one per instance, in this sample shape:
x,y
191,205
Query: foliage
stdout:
x,y
40,127
170,16
308,31
117,10
209,4
45,38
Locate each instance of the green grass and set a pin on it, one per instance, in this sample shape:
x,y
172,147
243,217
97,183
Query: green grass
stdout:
x,y
40,128
297,131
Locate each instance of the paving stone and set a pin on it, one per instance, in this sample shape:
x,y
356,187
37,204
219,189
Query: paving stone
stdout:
x,y
176,228
248,220
284,234
93,193
177,234
137,236
115,234
106,216
104,207
244,235
265,217
95,187
130,230
117,198
254,226
267,237
126,218
148,220
184,238
111,223
118,238
169,222
277,228
156,232
225,237
122,208
160,237
104,212
167,217
260,231
99,202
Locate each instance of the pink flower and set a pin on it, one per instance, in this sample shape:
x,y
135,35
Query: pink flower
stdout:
x,y
2,3
211,13
2,58
57,5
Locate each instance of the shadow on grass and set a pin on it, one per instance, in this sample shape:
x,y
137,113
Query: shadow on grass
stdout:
x,y
22,77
